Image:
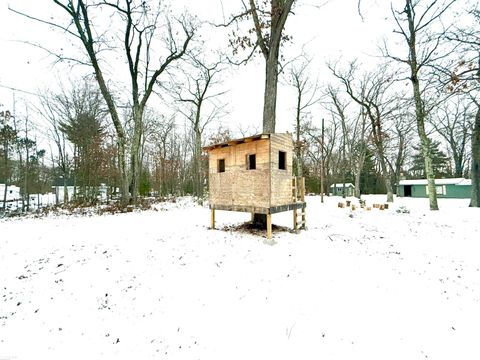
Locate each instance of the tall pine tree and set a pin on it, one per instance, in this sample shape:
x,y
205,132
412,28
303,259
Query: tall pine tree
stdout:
x,y
440,162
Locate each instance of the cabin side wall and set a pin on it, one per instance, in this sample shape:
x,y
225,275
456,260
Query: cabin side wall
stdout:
x,y
238,186
452,191
281,180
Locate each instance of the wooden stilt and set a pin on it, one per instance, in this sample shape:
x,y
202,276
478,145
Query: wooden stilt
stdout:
x,y
295,219
212,219
253,217
269,226
303,219
302,197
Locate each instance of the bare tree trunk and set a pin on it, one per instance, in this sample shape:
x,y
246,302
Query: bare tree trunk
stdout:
x,y
5,191
298,148
411,38
344,168
386,176
358,173
135,164
426,149
198,186
65,190
425,146
270,48
26,190
322,168
475,176
270,95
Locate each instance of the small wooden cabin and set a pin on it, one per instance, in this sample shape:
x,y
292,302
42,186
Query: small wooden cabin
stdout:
x,y
337,189
456,188
254,174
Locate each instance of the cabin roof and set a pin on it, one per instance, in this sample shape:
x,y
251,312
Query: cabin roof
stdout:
x,y
453,181
237,141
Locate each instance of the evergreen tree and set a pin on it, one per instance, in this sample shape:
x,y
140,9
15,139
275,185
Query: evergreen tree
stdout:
x,y
8,137
371,181
440,162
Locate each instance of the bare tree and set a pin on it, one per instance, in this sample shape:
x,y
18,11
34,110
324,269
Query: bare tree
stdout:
x,y
8,138
267,33
372,95
269,36
475,201
52,110
141,23
322,142
401,142
201,96
465,78
163,153
453,122
415,24
354,140
306,90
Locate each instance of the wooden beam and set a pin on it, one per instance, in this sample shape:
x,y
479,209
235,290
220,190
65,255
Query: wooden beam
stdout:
x,y
212,219
269,226
302,193
260,210
295,219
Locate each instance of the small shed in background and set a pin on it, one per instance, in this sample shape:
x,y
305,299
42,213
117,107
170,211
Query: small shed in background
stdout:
x,y
254,174
337,189
455,188
13,192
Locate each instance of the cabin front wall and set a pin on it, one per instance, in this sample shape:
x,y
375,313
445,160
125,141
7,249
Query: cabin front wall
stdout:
x,y
238,186
449,191
281,180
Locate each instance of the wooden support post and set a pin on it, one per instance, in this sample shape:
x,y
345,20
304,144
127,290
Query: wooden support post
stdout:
x,y
302,196
269,226
303,200
253,217
303,219
295,219
294,189
212,219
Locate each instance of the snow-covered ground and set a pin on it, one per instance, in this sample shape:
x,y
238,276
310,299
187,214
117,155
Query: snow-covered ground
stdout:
x,y
161,285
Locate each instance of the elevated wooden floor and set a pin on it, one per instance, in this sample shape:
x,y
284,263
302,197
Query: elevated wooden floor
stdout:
x,y
298,202
261,210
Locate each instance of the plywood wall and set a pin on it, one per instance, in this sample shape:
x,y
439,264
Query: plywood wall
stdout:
x,y
265,186
237,185
281,180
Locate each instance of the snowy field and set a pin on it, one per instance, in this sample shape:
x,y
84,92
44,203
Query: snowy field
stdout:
x,y
161,285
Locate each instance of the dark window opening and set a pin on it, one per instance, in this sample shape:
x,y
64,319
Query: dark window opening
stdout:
x,y
282,160
251,162
221,165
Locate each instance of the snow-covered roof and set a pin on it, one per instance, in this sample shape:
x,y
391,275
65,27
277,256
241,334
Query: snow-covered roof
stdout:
x,y
453,181
340,185
11,187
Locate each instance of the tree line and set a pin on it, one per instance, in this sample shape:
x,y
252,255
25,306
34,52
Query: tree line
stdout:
x,y
415,115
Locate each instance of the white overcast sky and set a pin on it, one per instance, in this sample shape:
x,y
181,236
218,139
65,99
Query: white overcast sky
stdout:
x,y
332,31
